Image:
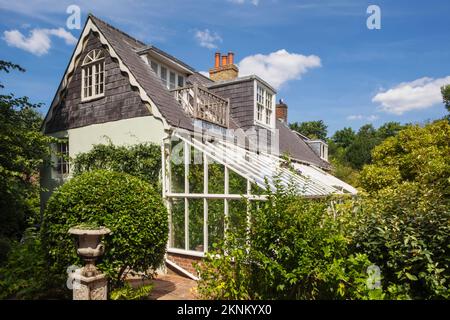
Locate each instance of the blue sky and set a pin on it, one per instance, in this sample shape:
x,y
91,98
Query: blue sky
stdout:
x,y
321,56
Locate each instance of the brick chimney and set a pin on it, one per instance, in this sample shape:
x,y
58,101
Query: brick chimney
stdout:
x,y
281,111
224,67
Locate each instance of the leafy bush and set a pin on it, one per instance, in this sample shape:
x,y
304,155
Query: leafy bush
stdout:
x,y
292,249
130,207
24,275
140,160
403,224
405,231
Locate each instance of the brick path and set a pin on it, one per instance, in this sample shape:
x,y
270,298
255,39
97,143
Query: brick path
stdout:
x,y
173,287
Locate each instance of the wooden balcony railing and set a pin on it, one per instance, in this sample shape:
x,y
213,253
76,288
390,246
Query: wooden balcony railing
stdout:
x,y
203,104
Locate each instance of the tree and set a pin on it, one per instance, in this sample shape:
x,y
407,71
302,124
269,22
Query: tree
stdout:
x,y
311,129
344,138
389,129
359,152
445,90
23,148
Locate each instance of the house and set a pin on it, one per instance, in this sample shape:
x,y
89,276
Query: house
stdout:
x,y
118,89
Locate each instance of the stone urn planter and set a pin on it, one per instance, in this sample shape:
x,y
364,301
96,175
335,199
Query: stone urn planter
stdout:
x,y
91,283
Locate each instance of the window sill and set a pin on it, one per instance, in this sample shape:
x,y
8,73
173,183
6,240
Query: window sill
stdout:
x,y
264,125
193,253
91,99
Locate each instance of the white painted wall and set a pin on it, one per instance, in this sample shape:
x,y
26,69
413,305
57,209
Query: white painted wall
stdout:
x,y
123,132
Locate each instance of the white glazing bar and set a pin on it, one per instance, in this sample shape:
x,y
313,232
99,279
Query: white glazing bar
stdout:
x,y
205,203
225,201
187,158
220,196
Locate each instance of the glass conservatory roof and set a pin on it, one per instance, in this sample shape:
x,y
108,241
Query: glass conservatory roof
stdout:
x,y
264,169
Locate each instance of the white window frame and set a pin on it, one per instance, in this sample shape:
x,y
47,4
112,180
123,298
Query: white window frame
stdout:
x,y
167,82
62,167
93,61
264,112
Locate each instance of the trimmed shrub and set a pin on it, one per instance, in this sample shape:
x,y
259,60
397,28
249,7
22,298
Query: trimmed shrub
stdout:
x,y
140,160
130,207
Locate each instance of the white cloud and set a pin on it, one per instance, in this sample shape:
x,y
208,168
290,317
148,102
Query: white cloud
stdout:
x,y
278,67
205,73
207,38
419,94
253,2
38,42
370,118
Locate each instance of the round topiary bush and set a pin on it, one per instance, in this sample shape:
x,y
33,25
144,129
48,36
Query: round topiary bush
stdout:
x,y
131,208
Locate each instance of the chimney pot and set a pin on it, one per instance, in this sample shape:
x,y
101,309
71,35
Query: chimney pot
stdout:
x,y
217,60
224,61
230,58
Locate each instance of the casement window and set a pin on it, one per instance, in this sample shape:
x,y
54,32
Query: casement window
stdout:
x,y
170,79
93,75
264,106
163,76
62,154
268,108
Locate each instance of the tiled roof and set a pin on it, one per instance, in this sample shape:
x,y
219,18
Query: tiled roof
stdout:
x,y
128,50
126,47
296,147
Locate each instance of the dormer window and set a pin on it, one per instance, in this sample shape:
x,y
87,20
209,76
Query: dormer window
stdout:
x,y
93,75
264,106
170,78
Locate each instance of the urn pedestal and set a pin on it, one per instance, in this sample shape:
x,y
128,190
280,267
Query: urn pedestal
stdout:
x,y
88,282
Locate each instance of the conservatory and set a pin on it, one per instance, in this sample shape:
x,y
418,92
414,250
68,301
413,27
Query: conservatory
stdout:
x,y
206,183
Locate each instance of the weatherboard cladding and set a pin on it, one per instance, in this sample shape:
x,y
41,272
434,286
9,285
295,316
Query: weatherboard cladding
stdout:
x,y
119,102
126,48
242,98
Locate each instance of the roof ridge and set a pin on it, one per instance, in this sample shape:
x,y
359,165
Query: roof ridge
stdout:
x,y
118,30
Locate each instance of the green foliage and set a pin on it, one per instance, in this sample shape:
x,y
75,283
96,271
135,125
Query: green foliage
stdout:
x,y
131,208
22,151
24,275
140,160
344,138
445,90
311,129
350,150
126,292
292,249
416,154
403,224
404,229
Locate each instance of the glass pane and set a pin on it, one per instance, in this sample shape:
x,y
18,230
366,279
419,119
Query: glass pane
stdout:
x,y
237,217
154,66
196,224
196,171
180,81
216,220
177,236
177,166
237,183
164,75
172,80
216,177
257,190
